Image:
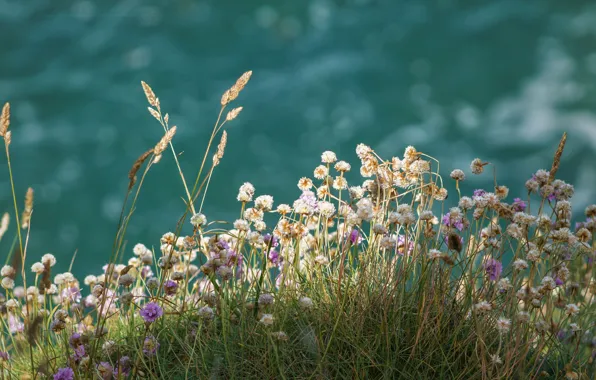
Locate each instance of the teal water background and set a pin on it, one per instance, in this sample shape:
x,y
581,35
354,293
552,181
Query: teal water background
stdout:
x,y
500,80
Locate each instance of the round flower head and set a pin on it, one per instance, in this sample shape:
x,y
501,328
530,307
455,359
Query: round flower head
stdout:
x,y
477,166
264,202
305,303
458,175
170,287
48,259
7,283
342,166
328,157
105,370
151,312
7,271
150,346
198,220
493,269
503,325
321,172
267,319
206,313
37,268
305,184
64,374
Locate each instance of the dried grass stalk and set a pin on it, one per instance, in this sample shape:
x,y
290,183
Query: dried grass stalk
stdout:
x,y
26,218
233,114
154,113
132,174
151,98
165,140
220,149
8,138
557,158
233,92
4,119
4,224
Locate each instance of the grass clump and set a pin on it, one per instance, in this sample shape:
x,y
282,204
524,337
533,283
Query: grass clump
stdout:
x,y
368,278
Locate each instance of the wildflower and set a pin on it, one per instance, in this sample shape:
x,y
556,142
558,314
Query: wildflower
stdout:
x,y
340,183
590,211
571,309
356,192
198,220
105,370
532,185
305,302
64,374
519,205
477,166
493,269
140,249
321,260
426,215
321,172
342,166
523,316
503,325
126,280
583,235
504,284
266,319
458,175
453,219
264,202
496,359
150,312
280,335
483,306
328,157
123,369
37,268
7,283
266,299
548,283
4,356
150,346
305,183
466,203
362,151
326,209
434,254
520,264
7,271
48,259
354,236
206,313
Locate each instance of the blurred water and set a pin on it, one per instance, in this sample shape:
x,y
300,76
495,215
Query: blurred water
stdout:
x,y
500,80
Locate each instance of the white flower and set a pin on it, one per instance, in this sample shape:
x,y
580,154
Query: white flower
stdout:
x,y
139,249
342,166
7,283
59,279
7,271
198,220
571,309
37,268
483,306
206,312
503,324
267,319
48,258
520,264
241,225
264,202
326,209
434,254
321,260
321,172
305,303
328,157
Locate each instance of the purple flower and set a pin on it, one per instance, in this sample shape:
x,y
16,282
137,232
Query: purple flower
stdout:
x,y
105,370
458,223
493,269
74,340
151,312
519,205
274,257
150,346
267,238
123,367
79,353
401,243
170,287
479,192
354,236
4,356
72,294
551,197
558,281
14,324
146,272
64,374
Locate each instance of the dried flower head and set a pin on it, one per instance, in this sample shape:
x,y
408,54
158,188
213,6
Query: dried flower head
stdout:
x,y
477,166
458,175
165,140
